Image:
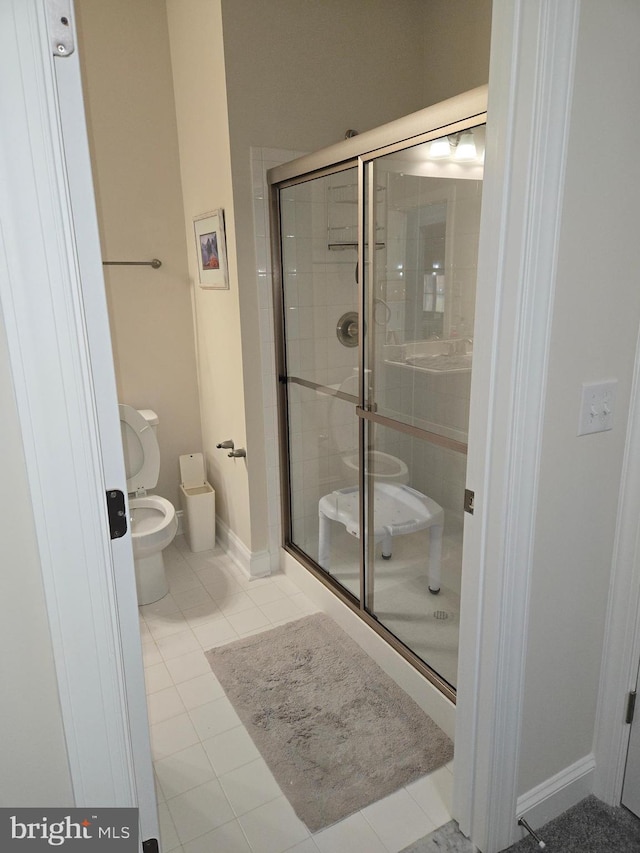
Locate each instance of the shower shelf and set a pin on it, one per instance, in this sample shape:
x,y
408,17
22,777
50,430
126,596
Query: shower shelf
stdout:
x,y
338,246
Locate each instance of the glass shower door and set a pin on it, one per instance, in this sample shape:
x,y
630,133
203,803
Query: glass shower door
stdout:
x,y
419,299
319,240
376,300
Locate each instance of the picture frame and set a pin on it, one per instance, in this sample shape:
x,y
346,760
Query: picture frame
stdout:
x,y
211,251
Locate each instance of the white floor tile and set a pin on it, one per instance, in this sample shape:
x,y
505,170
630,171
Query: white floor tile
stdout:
x,y
199,810
168,835
164,626
348,836
164,704
186,667
278,611
434,794
172,735
309,846
162,607
181,579
200,690
397,820
228,838
151,654
183,771
248,620
234,603
214,718
250,786
202,613
273,828
187,598
157,677
215,633
177,644
230,750
264,594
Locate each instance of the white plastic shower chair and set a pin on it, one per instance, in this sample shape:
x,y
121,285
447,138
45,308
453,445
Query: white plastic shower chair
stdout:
x,y
398,509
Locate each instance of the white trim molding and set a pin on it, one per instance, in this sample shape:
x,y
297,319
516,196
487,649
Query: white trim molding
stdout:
x,y
554,796
533,48
49,351
254,564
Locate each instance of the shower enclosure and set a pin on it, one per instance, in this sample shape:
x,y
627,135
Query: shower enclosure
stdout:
x,y
375,245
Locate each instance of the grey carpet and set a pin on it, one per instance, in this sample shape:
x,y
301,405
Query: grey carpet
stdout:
x,y
336,732
590,827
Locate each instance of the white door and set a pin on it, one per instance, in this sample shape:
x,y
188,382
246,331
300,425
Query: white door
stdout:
x,y
54,306
631,786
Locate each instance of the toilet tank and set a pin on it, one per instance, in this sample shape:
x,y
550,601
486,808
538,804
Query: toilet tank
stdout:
x,y
151,418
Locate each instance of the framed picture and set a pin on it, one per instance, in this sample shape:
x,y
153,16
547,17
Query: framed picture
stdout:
x,y
211,251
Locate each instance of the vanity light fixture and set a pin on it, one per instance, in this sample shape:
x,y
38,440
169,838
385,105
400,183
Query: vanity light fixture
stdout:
x,y
440,148
466,147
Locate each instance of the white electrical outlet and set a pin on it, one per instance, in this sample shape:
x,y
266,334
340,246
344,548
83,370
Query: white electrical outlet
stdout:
x,y
596,408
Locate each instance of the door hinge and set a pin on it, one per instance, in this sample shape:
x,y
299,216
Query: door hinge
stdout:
x,y
61,35
150,846
469,499
117,513
631,707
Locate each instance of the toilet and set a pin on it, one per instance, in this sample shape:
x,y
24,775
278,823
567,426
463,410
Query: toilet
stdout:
x,y
344,431
153,518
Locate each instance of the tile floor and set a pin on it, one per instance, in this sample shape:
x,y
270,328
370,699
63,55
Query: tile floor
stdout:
x,y
215,793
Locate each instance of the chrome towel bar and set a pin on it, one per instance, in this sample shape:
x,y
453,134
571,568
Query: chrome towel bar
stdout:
x,y
155,263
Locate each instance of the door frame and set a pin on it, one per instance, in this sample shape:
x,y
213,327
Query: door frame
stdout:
x,y
54,327
533,47
62,366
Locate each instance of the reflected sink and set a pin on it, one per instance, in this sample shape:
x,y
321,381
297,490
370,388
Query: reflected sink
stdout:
x,y
440,363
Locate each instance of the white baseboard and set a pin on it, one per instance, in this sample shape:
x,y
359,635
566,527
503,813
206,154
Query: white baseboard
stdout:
x,y
432,702
254,564
559,793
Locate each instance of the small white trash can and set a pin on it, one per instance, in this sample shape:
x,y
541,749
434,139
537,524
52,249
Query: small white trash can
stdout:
x,y
198,501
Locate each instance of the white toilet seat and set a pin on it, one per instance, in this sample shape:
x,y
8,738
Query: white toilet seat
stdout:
x,y
142,454
386,468
153,524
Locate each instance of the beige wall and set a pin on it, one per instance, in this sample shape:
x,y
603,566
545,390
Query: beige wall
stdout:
x,y
197,59
134,147
595,327
298,76
33,752
456,47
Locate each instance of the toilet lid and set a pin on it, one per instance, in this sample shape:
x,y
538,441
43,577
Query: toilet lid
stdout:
x,y
141,451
